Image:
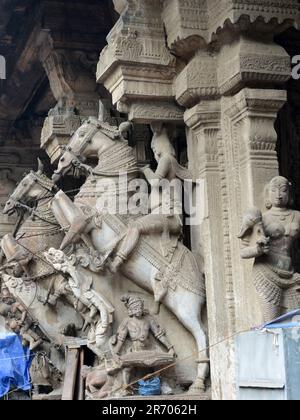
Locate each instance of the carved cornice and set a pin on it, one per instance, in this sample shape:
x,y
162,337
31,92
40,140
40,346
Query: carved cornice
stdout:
x,y
137,63
145,112
192,23
276,15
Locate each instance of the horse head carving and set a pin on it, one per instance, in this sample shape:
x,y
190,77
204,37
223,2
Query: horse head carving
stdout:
x,y
34,186
91,139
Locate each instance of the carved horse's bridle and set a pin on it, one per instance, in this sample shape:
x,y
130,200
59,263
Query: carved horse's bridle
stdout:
x,y
87,139
34,179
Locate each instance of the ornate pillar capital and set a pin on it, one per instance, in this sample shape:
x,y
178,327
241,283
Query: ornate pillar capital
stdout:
x,y
137,67
247,61
198,80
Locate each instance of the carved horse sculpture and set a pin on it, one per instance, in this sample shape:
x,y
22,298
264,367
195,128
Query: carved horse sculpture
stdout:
x,y
24,250
173,277
38,232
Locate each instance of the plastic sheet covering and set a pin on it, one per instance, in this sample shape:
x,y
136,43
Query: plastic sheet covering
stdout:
x,y
15,361
286,321
151,387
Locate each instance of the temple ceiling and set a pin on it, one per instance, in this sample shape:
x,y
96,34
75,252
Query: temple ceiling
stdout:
x,y
76,27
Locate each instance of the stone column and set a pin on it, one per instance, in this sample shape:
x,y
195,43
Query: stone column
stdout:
x,y
227,78
228,90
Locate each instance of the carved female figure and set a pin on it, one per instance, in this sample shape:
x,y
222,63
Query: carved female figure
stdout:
x,y
269,238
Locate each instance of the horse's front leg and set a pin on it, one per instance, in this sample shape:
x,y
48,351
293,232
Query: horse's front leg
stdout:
x,y
80,227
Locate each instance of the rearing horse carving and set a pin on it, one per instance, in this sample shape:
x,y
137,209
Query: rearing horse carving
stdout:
x,y
175,278
24,251
38,232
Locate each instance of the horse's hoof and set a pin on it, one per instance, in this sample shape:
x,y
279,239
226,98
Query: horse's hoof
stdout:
x,y
113,269
115,265
197,388
155,310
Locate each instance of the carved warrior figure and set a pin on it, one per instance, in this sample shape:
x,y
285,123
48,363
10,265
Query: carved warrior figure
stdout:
x,y
170,272
166,209
38,232
269,238
137,328
18,320
99,383
101,311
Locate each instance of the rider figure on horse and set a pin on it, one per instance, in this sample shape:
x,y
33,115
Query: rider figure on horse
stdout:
x,y
166,198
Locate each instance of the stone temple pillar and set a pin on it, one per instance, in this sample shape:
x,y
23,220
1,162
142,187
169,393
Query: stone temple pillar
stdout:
x,y
228,83
232,89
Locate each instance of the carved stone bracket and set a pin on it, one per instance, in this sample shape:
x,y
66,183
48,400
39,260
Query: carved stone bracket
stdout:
x,y
70,73
136,66
57,129
198,80
148,111
186,23
247,61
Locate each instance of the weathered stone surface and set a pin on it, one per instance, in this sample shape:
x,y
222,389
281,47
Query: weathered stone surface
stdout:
x,y
186,23
258,14
247,61
136,65
198,80
212,67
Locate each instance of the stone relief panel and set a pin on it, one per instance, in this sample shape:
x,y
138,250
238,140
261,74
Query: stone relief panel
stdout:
x,y
72,261
264,237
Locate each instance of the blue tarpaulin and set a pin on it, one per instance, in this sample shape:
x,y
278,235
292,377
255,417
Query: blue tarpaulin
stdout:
x,y
15,361
288,320
151,387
